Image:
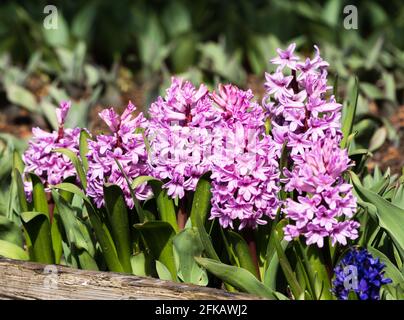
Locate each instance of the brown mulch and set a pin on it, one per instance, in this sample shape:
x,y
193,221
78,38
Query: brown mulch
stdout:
x,y
390,155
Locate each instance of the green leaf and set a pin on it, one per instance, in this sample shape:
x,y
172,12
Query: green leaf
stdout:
x,y
389,86
58,37
352,295
162,271
142,214
152,50
13,206
38,195
49,110
165,205
142,179
315,266
38,231
104,238
241,251
332,12
378,139
56,238
176,18
12,251
199,211
84,137
28,216
158,237
391,217
201,202
77,164
237,277
374,53
187,245
83,21
17,161
391,270
141,264
271,264
72,188
100,228
216,59
371,91
37,225
349,114
10,231
287,269
20,190
21,97
118,219
77,234
93,75
77,70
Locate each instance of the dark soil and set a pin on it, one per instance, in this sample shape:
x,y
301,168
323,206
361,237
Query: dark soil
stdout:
x,y
390,155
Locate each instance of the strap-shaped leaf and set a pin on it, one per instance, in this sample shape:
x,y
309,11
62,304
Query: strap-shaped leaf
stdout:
x,y
143,216
391,217
349,114
38,195
165,205
77,234
10,231
38,230
187,245
37,225
158,237
200,209
20,190
76,163
83,147
391,272
271,264
119,223
201,202
241,251
237,277
287,269
12,251
100,228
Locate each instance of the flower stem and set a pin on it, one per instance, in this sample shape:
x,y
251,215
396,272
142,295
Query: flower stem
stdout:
x,y
294,84
248,235
51,206
182,215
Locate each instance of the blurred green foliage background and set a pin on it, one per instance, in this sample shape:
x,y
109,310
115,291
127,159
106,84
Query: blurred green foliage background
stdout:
x,y
107,52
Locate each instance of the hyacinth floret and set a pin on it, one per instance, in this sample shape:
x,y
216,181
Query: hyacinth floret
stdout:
x,y
126,146
306,118
245,173
360,272
40,158
180,136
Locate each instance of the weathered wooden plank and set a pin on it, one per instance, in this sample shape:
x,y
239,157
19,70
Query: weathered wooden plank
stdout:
x,y
27,280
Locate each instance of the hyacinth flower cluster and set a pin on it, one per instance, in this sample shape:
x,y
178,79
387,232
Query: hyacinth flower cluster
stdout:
x,y
193,131
126,146
180,136
39,158
245,172
360,272
306,118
